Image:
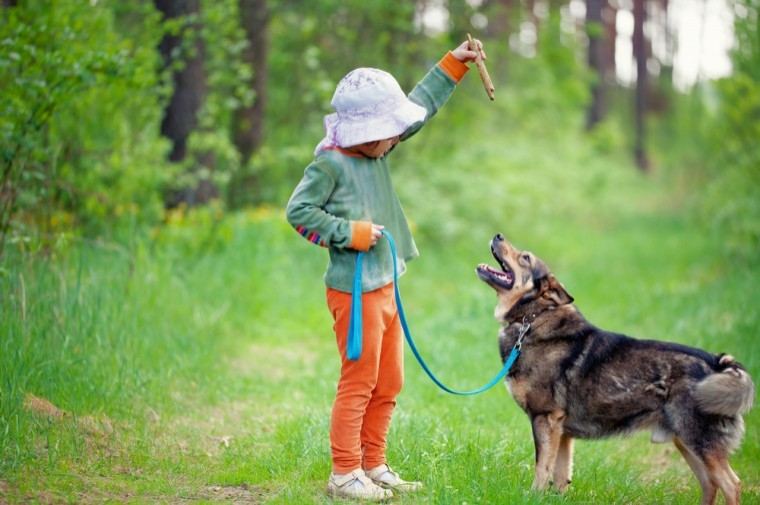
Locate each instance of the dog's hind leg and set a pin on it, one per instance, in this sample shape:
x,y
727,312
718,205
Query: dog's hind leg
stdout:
x,y
563,466
547,433
720,473
709,488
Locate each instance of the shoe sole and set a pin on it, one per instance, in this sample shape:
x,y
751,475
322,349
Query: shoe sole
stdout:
x,y
334,493
398,489
402,489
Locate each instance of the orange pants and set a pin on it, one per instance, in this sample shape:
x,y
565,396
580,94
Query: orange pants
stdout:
x,y
367,388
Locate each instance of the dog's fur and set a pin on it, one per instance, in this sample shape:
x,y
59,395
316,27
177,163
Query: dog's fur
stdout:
x,y
575,380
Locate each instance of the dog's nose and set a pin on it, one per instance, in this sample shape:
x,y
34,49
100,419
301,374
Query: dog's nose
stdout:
x,y
499,237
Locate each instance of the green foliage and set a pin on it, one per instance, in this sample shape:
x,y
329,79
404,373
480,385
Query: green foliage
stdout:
x,y
552,88
707,142
733,197
228,79
215,147
194,231
731,204
78,119
746,53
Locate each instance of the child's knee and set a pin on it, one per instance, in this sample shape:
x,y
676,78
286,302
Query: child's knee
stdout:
x,y
389,383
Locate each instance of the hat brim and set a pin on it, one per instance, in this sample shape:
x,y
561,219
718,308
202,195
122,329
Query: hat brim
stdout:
x,y
350,133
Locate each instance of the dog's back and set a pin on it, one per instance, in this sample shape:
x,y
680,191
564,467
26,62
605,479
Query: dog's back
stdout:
x,y
610,384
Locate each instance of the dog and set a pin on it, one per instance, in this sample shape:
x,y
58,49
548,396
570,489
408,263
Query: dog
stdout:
x,y
574,380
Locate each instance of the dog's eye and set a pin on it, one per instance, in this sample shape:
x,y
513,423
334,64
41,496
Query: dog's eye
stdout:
x,y
526,258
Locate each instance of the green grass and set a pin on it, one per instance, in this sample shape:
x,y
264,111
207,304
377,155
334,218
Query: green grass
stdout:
x,y
162,352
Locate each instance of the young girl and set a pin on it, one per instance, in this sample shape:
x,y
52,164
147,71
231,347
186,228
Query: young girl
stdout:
x,y
343,202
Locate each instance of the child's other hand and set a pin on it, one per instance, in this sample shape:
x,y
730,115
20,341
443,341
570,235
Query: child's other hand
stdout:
x,y
377,232
464,54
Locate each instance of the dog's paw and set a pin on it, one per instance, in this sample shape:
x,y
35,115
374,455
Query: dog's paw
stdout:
x,y
540,486
562,487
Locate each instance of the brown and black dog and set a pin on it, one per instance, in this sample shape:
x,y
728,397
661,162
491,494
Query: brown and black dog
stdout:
x,y
575,380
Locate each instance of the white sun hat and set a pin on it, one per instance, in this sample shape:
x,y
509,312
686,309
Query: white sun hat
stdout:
x,y
369,105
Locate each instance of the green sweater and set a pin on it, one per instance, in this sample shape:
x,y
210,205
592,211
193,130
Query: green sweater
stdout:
x,y
340,190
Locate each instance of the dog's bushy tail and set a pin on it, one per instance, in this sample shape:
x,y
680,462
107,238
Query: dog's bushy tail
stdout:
x,y
728,392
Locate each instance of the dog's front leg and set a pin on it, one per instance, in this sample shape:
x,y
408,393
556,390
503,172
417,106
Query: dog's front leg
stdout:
x,y
547,433
563,466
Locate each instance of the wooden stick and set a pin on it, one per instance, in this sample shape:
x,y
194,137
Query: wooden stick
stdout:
x,y
482,69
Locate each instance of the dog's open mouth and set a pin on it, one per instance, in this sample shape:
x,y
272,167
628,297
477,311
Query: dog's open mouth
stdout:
x,y
504,278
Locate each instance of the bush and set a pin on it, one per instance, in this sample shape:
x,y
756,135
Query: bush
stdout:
x,y
732,200
78,120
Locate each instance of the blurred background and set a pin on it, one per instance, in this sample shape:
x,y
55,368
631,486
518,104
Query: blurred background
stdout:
x,y
115,112
163,330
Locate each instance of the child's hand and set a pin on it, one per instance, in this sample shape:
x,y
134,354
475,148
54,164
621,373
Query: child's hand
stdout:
x,y
377,232
464,54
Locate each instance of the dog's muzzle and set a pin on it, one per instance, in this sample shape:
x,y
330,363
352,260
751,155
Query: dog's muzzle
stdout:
x,y
504,278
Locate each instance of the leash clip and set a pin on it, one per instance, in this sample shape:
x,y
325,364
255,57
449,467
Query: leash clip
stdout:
x,y
523,331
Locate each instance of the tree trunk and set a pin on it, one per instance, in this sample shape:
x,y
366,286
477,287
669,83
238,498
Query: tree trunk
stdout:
x,y
530,7
248,121
597,60
503,22
609,15
181,114
248,125
640,53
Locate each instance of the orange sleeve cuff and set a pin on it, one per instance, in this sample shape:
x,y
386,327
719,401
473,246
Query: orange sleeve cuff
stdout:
x,y
361,235
452,66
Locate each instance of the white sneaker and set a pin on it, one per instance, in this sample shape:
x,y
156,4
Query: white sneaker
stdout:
x,y
356,485
386,478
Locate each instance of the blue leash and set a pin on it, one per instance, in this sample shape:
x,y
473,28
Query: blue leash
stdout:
x,y
354,344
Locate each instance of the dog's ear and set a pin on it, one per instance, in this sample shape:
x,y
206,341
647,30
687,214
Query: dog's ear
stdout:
x,y
556,292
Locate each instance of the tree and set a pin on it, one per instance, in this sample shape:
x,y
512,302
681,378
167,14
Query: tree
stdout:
x,y
504,20
248,121
597,60
640,54
182,50
248,118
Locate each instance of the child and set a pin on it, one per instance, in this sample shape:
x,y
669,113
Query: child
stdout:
x,y
343,202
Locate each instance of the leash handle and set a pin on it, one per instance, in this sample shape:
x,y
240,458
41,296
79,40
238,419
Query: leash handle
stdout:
x,y
355,329
354,343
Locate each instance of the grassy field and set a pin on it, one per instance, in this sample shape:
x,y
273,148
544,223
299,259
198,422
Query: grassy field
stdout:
x,y
198,365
